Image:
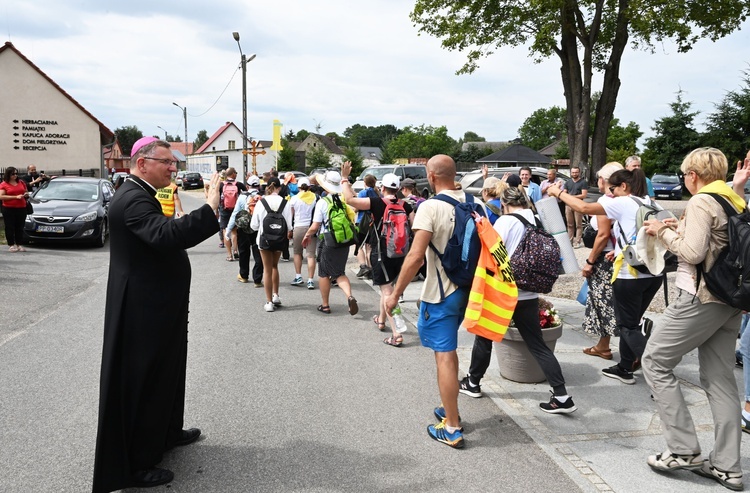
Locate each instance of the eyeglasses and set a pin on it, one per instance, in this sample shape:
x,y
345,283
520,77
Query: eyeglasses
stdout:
x,y
165,162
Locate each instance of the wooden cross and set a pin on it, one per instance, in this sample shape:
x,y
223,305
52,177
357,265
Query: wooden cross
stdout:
x,y
254,152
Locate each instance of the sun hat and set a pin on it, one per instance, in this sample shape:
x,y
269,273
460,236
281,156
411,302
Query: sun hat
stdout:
x,y
303,181
143,141
290,178
391,180
331,181
651,251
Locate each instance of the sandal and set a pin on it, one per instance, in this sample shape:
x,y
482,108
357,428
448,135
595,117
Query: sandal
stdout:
x,y
353,307
230,259
381,325
592,351
325,309
394,341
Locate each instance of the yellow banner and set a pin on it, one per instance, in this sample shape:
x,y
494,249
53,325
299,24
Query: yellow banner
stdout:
x,y
277,125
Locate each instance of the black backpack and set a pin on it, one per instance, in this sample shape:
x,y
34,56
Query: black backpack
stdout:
x,y
729,278
275,231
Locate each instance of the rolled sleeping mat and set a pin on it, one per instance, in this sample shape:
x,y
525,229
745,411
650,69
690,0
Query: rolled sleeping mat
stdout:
x,y
552,220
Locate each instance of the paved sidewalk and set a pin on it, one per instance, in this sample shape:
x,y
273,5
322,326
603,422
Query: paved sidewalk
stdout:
x,y
602,446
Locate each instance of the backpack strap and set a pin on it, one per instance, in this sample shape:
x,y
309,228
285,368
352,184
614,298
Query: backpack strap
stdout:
x,y
729,211
454,203
494,209
526,223
265,205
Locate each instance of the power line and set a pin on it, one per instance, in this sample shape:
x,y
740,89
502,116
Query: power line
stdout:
x,y
220,95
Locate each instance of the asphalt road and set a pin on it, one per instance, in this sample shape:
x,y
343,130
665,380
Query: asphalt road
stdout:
x,y
293,400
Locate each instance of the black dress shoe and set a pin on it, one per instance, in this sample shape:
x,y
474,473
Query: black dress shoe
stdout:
x,y
187,437
152,477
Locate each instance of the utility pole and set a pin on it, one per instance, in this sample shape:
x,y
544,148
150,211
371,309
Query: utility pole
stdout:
x,y
184,117
244,61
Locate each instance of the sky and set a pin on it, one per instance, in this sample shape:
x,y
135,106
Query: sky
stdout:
x,y
327,63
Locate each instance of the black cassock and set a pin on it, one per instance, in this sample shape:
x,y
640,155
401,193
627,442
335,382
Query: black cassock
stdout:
x,y
142,389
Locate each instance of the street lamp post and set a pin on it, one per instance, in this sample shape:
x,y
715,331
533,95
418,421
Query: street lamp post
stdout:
x,y
165,133
236,37
184,117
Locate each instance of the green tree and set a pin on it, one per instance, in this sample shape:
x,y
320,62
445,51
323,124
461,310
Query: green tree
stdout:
x,y
728,127
317,157
368,136
543,127
674,137
127,136
423,142
585,36
286,161
473,137
385,155
301,135
200,139
352,154
337,139
473,153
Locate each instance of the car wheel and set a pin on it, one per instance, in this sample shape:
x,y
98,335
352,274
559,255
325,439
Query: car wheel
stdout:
x,y
99,240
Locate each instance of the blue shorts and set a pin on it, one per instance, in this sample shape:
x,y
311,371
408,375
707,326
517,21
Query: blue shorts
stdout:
x,y
439,322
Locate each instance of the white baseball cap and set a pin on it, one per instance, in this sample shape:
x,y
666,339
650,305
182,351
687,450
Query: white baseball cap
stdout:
x,y
391,180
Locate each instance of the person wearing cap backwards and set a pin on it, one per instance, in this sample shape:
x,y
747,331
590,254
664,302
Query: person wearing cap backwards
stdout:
x,y
303,206
247,242
384,269
698,319
331,258
142,390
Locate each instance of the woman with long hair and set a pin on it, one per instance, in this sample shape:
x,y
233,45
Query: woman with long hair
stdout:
x,y
633,291
270,252
13,194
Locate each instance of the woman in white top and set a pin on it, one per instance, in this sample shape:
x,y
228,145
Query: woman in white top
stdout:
x,y
632,293
525,316
600,306
270,253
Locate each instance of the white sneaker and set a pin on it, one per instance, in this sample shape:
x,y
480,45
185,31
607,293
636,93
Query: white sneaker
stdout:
x,y
276,300
268,306
310,284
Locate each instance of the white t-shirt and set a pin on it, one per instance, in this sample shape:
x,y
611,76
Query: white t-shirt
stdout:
x,y
511,230
303,212
438,218
594,223
274,201
622,210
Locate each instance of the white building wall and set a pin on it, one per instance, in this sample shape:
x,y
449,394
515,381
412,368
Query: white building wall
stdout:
x,y
40,125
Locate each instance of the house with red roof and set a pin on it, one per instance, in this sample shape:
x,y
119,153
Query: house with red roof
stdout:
x,y
224,149
42,124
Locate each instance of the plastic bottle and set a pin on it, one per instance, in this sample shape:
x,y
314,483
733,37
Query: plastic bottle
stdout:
x,y
398,319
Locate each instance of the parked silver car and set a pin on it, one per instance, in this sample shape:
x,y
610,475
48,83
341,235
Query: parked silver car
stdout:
x,y
472,181
417,172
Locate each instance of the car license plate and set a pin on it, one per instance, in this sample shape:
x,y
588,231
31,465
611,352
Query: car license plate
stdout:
x,y
663,195
50,229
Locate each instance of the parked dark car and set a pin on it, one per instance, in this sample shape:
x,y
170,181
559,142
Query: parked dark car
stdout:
x,y
192,180
667,186
72,209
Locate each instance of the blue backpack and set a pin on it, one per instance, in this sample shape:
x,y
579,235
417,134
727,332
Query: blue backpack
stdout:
x,y
461,254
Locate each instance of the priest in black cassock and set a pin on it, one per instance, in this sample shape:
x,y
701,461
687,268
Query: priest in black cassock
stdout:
x,y
142,390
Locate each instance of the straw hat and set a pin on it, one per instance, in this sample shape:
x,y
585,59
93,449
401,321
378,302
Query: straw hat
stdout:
x,y
331,182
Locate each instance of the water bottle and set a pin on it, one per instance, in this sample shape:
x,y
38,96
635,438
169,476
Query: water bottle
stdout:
x,y
398,319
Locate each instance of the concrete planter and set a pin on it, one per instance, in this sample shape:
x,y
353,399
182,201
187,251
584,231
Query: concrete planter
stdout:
x,y
514,359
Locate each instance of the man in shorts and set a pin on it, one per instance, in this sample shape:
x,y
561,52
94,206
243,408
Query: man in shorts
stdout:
x,y
438,320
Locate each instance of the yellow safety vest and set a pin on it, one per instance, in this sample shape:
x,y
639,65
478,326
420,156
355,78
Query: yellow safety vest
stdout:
x,y
494,293
165,196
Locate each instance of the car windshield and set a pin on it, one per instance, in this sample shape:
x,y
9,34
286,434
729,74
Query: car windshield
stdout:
x,y
68,190
193,176
378,173
669,180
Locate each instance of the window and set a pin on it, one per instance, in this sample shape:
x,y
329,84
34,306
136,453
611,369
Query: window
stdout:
x,y
416,172
231,145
